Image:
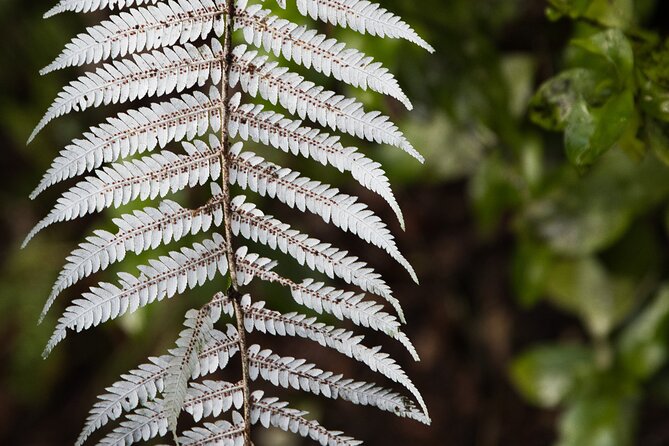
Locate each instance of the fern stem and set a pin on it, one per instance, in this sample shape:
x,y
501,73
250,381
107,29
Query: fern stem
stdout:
x,y
233,291
239,316
225,142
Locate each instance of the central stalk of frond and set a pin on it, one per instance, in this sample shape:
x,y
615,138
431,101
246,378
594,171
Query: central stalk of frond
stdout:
x,y
233,291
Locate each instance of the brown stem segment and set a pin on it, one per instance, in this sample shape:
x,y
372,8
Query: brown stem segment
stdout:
x,y
233,291
239,316
225,142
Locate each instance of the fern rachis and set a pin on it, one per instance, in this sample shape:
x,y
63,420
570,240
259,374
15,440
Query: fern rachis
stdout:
x,y
150,49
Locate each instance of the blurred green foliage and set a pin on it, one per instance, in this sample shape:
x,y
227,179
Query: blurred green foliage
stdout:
x,y
589,238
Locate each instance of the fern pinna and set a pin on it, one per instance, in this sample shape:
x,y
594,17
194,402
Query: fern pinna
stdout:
x,y
184,48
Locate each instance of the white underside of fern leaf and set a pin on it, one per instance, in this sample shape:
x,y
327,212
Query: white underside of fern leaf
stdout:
x,y
206,92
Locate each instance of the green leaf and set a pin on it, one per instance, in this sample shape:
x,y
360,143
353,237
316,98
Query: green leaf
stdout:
x,y
581,215
493,191
600,420
593,104
569,8
580,129
531,265
531,160
657,137
556,98
615,48
643,345
654,100
518,71
583,287
610,13
590,132
630,142
546,375
653,80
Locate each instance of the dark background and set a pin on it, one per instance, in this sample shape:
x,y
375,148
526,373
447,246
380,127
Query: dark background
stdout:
x,y
465,321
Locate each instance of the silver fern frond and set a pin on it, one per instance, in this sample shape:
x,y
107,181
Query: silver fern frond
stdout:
x,y
144,28
276,84
162,278
184,362
142,425
361,16
200,88
144,75
252,172
145,178
144,384
251,223
92,5
312,50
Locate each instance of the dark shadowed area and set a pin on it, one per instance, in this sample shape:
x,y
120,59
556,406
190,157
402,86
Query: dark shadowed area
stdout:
x,y
499,226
